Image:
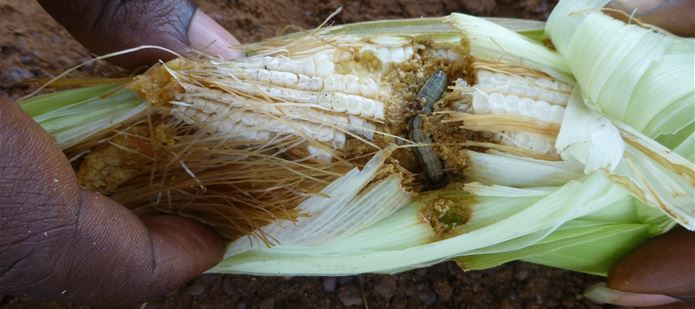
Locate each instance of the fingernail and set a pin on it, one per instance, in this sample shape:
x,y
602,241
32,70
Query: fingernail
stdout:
x,y
602,294
207,36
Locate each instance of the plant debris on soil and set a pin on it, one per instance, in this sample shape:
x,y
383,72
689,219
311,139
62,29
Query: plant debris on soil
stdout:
x,y
33,46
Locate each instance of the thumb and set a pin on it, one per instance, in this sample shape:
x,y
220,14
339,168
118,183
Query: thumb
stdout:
x,y
659,272
105,26
60,242
662,265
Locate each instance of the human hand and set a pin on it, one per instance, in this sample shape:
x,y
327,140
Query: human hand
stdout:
x,y
106,26
675,16
661,271
60,242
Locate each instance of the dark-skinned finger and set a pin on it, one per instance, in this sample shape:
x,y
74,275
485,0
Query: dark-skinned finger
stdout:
x,y
663,265
59,242
106,26
675,16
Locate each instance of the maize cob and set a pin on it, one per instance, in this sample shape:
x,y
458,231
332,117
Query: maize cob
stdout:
x,y
309,140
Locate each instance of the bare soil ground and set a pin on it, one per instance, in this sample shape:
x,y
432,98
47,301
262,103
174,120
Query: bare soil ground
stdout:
x,y
32,45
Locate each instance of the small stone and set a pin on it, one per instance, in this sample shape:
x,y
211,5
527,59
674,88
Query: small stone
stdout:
x,y
228,286
345,280
267,304
386,287
196,289
241,305
15,76
26,59
349,296
521,276
329,284
426,295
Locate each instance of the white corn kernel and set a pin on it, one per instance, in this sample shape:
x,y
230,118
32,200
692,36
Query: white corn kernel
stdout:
x,y
283,78
264,75
540,99
319,154
511,104
497,104
553,92
480,104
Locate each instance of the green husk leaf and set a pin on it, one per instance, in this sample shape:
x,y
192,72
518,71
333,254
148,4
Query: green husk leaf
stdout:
x,y
589,249
498,215
639,76
72,116
590,244
42,104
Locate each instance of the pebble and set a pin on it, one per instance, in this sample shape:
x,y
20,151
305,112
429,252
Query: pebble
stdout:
x,y
15,76
267,304
329,284
228,286
386,287
426,295
26,59
349,296
196,289
521,276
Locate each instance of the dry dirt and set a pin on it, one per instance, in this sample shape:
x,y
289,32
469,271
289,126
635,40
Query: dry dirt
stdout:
x,y
32,45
